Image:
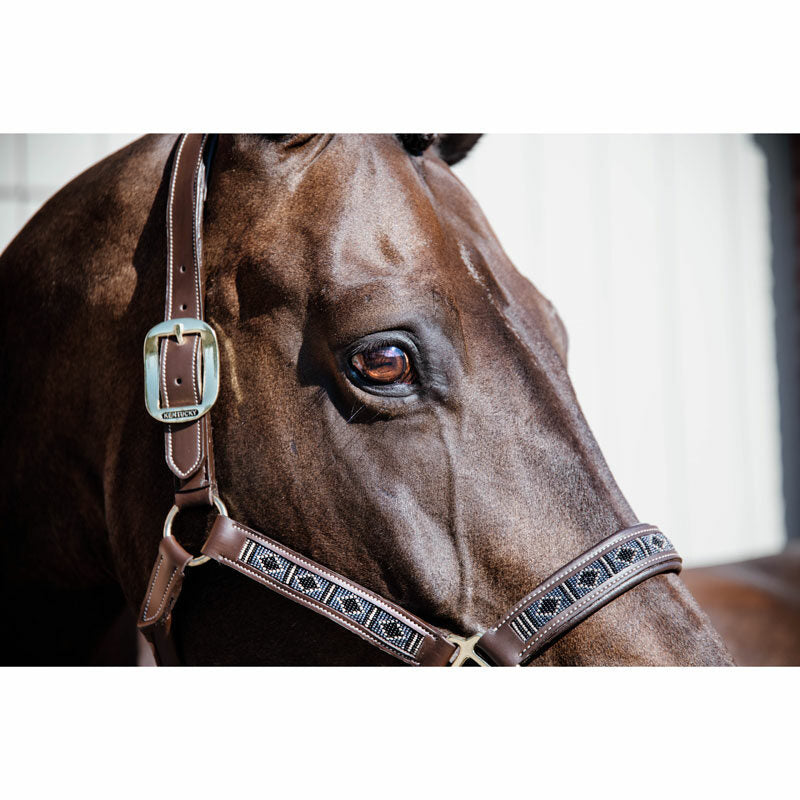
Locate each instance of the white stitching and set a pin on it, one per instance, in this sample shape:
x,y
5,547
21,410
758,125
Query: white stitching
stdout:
x,y
196,203
598,550
375,599
596,594
196,266
194,369
164,386
145,618
594,553
182,473
328,612
163,368
152,586
164,598
170,248
170,262
168,301
599,592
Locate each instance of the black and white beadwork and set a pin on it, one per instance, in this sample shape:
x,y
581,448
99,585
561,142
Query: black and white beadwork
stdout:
x,y
358,609
591,577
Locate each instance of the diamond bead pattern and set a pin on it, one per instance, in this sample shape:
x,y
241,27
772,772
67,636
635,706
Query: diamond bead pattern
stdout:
x,y
588,579
623,556
358,610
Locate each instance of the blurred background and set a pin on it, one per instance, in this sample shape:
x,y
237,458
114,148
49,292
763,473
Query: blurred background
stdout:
x,y
673,262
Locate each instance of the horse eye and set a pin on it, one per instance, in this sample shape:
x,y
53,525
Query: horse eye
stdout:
x,y
383,365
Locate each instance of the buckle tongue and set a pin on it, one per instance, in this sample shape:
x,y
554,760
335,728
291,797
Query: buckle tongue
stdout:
x,y
179,328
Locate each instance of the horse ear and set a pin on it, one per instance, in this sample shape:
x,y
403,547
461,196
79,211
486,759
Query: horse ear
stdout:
x,y
452,147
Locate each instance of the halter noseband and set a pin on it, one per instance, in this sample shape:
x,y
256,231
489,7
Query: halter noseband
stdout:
x,y
181,384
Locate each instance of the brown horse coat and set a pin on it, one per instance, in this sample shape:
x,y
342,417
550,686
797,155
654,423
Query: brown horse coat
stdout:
x,y
454,499
755,605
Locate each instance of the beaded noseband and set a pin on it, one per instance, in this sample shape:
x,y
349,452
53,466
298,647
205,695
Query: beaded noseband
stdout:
x,y
181,384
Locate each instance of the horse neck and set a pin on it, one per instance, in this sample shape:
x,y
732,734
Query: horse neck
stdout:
x,y
75,302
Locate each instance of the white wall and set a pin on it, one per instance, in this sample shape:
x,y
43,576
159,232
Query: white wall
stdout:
x,y
655,249
656,252
35,166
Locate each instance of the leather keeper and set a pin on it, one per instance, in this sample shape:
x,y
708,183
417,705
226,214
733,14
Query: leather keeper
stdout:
x,y
163,590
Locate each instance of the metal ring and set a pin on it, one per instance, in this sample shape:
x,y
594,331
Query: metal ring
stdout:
x,y
175,510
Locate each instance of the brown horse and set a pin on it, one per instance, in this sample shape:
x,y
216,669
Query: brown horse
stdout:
x,y
755,605
452,491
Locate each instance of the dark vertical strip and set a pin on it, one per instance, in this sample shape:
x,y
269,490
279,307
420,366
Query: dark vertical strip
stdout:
x,y
783,168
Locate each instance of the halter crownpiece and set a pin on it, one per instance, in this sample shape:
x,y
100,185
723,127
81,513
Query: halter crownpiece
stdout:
x,y
181,361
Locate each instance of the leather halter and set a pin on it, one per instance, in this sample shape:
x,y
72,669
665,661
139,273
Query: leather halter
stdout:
x,y
181,383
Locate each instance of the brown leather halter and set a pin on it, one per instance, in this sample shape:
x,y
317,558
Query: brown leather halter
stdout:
x,y
181,385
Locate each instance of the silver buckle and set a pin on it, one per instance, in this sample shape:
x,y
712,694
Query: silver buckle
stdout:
x,y
210,367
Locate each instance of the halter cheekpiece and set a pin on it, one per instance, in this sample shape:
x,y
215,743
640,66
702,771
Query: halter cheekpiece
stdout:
x,y
182,367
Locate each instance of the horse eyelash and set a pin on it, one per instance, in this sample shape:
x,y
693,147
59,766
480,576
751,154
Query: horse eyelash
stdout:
x,y
373,343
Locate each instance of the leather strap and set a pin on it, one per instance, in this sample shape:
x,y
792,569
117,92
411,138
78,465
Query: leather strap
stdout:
x,y
576,591
543,616
370,616
163,589
556,606
187,445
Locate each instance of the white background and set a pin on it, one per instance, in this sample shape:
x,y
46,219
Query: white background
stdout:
x,y
656,251
620,65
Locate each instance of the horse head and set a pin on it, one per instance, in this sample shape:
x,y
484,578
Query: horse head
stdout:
x,y
394,398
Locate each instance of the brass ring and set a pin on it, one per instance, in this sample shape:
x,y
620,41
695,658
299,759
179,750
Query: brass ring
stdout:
x,y
175,510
